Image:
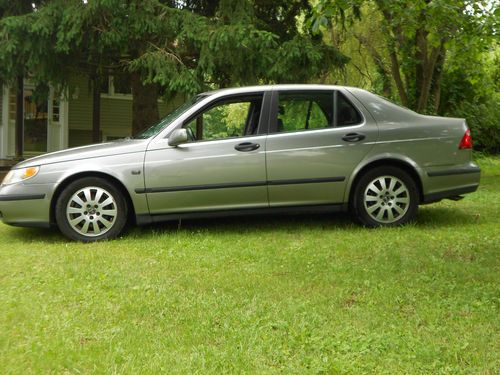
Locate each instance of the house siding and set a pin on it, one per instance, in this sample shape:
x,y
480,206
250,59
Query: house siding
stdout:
x,y
116,113
116,117
79,112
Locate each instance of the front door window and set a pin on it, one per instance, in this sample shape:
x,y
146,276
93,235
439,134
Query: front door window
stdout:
x,y
228,118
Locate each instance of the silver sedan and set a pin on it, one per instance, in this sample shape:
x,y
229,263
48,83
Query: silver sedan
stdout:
x,y
251,150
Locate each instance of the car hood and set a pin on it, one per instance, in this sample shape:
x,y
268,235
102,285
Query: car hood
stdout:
x,y
122,146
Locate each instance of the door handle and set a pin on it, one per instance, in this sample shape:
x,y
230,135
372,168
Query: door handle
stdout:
x,y
246,146
353,137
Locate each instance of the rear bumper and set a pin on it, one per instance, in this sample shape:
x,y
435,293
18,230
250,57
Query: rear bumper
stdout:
x,y
441,183
435,197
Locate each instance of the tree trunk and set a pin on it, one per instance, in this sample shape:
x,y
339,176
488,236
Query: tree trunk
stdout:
x,y
391,46
436,84
96,110
421,62
428,75
397,77
144,104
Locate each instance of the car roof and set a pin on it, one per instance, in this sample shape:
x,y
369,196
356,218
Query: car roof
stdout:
x,y
260,88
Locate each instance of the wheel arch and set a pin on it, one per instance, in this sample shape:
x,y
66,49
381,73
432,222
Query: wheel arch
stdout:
x,y
74,177
405,164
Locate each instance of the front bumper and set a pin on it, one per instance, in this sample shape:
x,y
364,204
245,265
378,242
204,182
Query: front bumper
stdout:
x,y
26,205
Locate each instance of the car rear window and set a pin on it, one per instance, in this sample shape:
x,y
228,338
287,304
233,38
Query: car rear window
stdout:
x,y
347,114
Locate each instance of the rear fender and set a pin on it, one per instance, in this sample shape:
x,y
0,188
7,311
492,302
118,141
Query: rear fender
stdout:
x,y
397,160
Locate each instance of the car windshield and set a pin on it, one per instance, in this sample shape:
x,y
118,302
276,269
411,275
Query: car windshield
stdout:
x,y
167,120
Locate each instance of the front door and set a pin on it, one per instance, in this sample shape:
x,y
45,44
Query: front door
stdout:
x,y
318,138
221,167
35,122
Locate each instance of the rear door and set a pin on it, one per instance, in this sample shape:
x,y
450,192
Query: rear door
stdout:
x,y
317,138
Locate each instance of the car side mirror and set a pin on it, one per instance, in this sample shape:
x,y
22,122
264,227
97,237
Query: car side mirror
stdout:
x,y
177,137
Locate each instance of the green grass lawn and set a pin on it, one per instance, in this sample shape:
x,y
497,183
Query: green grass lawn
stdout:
x,y
300,294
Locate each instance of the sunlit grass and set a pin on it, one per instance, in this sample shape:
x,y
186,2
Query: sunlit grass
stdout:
x,y
289,294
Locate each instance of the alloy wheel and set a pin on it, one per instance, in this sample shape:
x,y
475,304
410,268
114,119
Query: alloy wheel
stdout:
x,y
91,211
386,199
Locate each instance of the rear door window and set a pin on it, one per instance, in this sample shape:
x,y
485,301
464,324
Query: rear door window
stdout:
x,y
312,110
304,111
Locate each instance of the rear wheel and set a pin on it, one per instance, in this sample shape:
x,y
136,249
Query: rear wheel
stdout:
x,y
91,209
385,196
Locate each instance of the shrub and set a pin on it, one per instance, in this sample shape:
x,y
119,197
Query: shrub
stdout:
x,y
484,122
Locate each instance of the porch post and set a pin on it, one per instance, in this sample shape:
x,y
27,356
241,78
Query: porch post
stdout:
x,y
4,123
96,109
63,120
20,117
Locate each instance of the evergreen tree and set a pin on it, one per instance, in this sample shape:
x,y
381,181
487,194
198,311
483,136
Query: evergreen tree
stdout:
x,y
176,46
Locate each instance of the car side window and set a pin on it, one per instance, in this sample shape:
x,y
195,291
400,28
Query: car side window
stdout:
x,y
305,110
347,115
228,118
310,110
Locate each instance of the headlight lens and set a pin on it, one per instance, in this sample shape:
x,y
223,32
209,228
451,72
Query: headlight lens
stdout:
x,y
18,175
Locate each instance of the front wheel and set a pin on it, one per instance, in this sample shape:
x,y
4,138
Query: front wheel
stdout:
x,y
385,196
91,209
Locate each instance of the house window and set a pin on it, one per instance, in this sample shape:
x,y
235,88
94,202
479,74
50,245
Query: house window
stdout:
x,y
12,105
55,110
118,85
105,85
122,84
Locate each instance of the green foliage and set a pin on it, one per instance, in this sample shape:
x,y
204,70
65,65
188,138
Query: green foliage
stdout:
x,y
417,36
223,121
483,120
182,46
236,115
472,90
301,58
237,54
295,115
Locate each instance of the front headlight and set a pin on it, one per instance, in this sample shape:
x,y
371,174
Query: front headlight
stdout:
x,y
18,175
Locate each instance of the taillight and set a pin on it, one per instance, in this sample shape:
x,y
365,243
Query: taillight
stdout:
x,y
466,141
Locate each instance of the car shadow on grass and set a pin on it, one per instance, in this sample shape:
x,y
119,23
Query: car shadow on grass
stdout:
x,y
428,218
250,224
30,235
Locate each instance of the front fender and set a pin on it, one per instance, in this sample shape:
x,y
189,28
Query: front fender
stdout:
x,y
127,169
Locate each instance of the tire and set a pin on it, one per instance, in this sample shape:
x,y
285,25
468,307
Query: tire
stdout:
x,y
385,196
91,209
